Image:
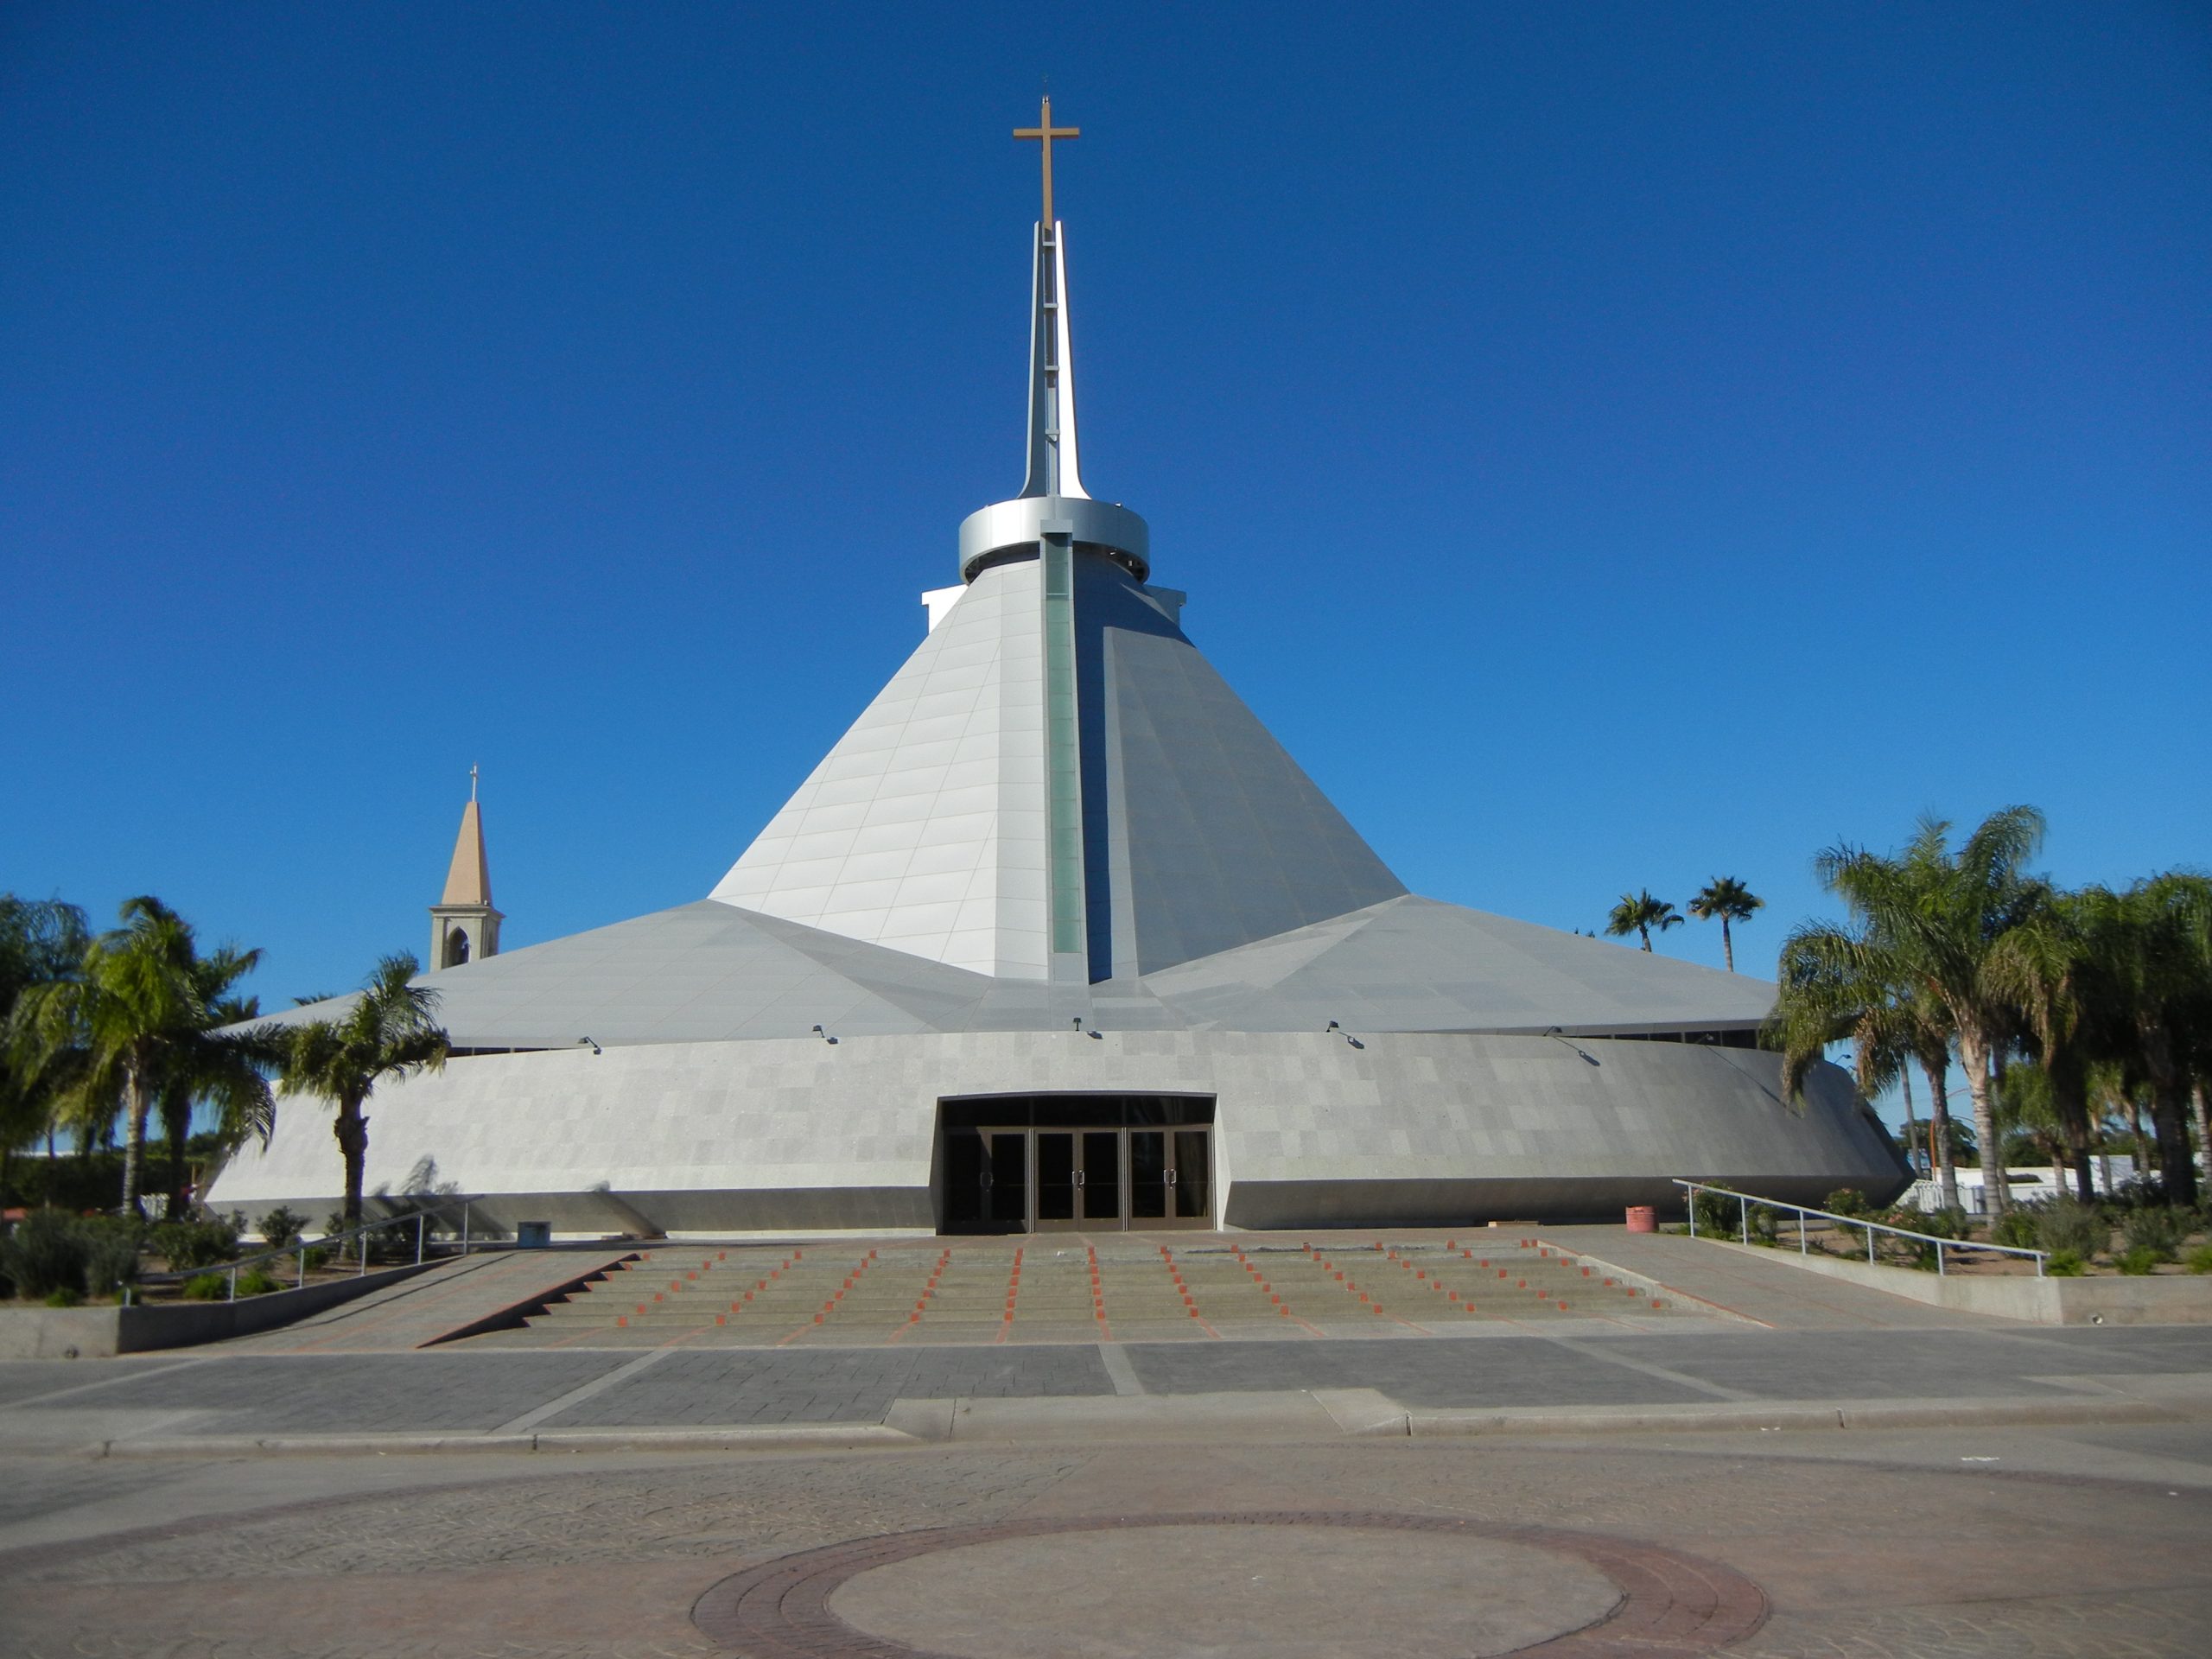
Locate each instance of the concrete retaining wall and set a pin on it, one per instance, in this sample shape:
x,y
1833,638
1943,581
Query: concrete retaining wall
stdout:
x,y
103,1333
2153,1300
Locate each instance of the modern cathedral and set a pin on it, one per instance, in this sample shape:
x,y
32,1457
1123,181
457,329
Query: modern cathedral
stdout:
x,y
1057,937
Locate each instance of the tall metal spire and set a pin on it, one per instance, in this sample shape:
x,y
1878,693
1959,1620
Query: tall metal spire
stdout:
x,y
1053,501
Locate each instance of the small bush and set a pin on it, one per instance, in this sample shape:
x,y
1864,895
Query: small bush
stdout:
x,y
1845,1201
1765,1227
282,1226
209,1286
2069,1224
255,1281
1720,1215
2159,1230
1937,1223
2138,1262
203,1244
46,1253
2065,1264
63,1296
2016,1227
318,1258
111,1254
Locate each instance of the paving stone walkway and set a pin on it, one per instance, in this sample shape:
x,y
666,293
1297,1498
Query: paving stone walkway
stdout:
x,y
1942,1545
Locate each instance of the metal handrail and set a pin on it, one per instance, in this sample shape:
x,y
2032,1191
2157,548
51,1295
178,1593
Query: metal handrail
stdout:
x,y
301,1247
1745,1200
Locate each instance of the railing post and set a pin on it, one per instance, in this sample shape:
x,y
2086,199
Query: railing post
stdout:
x,y
421,1218
1691,1188
1870,1245
1744,1218
1802,1251
234,1283
303,1268
361,1250
464,1229
1939,1269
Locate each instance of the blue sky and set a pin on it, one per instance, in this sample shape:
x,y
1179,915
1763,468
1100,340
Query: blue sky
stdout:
x,y
1610,445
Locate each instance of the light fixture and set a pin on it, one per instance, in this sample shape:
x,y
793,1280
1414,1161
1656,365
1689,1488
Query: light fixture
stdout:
x,y
824,1035
586,1042
1559,1035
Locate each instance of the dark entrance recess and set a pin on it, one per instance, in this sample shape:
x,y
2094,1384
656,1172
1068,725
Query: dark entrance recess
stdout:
x,y
1073,1163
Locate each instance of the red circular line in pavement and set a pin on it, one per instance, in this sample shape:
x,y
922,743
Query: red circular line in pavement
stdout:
x,y
1671,1603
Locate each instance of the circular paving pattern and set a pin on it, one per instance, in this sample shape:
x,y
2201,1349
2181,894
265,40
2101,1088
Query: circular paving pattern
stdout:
x,y
1281,1583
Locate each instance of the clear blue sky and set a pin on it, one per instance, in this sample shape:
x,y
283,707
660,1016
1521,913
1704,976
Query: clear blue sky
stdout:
x,y
1611,445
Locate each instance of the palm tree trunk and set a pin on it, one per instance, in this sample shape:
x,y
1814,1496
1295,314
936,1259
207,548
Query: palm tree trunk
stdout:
x,y
353,1132
2142,1140
1911,1127
1645,934
2177,1166
134,1139
1938,1131
1974,1056
1727,945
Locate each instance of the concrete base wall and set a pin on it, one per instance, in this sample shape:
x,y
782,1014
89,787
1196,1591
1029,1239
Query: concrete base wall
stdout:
x,y
104,1332
781,1135
2152,1299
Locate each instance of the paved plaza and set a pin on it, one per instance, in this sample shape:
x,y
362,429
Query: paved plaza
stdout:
x,y
1768,1463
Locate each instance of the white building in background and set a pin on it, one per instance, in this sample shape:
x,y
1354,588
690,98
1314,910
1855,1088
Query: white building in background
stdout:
x,y
1059,937
2027,1183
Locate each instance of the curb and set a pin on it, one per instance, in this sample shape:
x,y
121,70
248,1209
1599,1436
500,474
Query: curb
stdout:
x,y
811,1437
1356,1414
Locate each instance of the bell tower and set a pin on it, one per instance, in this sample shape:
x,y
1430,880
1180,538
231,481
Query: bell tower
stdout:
x,y
464,927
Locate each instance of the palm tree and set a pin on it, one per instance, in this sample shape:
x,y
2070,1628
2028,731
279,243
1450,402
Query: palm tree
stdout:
x,y
137,1018
390,1030
2154,944
1934,916
41,942
1725,899
1639,913
231,1077
1838,986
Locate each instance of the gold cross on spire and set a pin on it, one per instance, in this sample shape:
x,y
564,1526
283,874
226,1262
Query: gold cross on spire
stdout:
x,y
1044,132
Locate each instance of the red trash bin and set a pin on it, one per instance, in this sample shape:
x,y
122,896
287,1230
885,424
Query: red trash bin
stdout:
x,y
1640,1219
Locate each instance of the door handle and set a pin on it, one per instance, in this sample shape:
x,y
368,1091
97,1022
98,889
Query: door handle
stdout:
x,y
1078,1178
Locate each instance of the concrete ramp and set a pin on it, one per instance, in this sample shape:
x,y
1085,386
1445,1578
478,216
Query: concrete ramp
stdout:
x,y
456,1299
1773,1292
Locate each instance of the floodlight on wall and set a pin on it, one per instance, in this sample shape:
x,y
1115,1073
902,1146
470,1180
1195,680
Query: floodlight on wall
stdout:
x,y
1346,1035
586,1042
825,1036
1559,1035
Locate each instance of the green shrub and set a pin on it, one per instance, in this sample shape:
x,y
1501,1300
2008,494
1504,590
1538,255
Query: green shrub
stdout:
x,y
2069,1224
2199,1260
256,1282
1937,1223
203,1244
317,1259
2158,1230
2138,1262
1845,1201
282,1226
63,1296
111,1254
1720,1215
209,1286
46,1253
2016,1227
1764,1226
2065,1264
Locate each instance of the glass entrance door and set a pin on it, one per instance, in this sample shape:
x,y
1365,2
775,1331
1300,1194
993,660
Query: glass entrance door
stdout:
x,y
1170,1177
1059,1182
1068,1163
